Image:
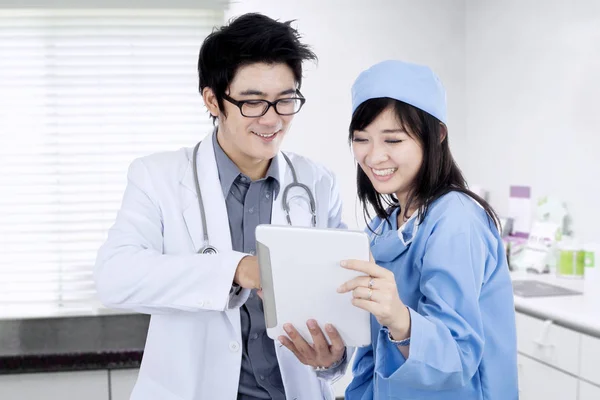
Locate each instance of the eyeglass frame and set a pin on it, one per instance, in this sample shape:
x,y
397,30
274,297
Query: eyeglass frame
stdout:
x,y
240,104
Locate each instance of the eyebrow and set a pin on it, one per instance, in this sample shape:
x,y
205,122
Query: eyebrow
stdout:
x,y
254,92
393,131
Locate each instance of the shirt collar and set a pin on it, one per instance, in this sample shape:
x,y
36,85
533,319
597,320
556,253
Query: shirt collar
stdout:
x,y
229,172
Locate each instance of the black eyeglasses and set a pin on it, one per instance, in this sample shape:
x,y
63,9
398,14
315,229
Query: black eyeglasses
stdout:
x,y
258,108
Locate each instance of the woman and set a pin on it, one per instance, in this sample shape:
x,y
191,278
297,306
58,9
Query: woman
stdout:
x,y
438,289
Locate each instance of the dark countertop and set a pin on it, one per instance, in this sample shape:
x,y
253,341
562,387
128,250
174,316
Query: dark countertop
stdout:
x,y
72,343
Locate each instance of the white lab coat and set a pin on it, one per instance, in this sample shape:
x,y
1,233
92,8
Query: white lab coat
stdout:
x,y
149,264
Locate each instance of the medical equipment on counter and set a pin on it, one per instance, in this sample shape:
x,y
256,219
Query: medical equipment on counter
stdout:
x,y
592,271
519,209
570,260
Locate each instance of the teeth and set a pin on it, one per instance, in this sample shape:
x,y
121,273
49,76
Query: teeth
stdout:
x,y
384,172
263,135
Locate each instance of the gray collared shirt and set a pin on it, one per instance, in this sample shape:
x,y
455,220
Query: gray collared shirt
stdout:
x,y
249,203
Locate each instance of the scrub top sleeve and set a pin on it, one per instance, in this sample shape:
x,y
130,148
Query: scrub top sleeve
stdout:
x,y
447,336
363,367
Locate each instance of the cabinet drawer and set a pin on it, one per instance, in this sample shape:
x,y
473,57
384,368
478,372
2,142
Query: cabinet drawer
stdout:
x,y
588,391
537,381
590,359
88,385
547,342
122,382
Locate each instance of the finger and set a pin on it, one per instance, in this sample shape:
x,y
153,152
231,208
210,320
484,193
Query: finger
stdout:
x,y
337,344
367,305
354,283
259,293
362,281
301,345
366,267
320,343
366,294
291,347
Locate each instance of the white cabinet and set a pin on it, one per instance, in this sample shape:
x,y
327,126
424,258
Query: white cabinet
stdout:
x,y
556,363
122,382
549,343
538,381
88,385
588,391
590,360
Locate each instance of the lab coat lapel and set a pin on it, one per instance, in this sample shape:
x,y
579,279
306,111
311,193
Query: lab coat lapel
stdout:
x,y
277,212
217,220
212,197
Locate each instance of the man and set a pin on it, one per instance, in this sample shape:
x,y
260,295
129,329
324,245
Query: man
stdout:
x,y
207,336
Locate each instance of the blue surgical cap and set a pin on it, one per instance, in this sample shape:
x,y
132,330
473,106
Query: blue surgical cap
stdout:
x,y
413,84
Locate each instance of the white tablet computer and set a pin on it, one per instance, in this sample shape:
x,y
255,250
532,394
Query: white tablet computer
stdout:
x,y
300,272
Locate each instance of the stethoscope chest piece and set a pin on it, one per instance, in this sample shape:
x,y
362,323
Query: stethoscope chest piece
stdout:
x,y
208,250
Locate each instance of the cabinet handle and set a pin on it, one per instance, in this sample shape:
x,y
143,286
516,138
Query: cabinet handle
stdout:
x,y
541,339
542,344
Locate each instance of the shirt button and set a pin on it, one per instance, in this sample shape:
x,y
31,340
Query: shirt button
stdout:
x,y
267,195
253,252
234,346
254,336
200,303
262,377
251,210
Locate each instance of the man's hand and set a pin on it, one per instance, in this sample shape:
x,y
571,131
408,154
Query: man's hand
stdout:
x,y
320,354
247,274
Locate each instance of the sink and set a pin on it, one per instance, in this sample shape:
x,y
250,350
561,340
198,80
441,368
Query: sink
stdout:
x,y
533,288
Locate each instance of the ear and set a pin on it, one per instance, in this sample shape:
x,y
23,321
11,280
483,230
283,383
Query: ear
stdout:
x,y
210,100
443,132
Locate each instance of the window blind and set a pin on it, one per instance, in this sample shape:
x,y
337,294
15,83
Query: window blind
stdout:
x,y
83,93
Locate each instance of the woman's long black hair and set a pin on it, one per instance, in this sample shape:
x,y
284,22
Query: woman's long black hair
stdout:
x,y
438,174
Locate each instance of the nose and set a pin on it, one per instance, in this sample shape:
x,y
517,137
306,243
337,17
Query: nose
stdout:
x,y
376,154
271,118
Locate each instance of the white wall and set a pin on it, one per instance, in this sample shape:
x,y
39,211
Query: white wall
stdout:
x,y
533,90
349,36
131,4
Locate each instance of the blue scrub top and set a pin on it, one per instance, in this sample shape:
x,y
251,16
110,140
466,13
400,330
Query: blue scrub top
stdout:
x,y
452,274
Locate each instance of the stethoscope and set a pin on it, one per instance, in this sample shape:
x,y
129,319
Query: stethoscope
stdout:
x,y
208,248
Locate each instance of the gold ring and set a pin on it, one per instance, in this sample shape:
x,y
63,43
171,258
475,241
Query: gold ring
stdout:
x,y
370,294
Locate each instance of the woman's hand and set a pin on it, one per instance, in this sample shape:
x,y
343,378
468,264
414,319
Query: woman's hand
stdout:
x,y
378,294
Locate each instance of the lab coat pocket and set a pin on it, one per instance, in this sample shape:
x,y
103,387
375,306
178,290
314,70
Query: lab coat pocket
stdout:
x,y
327,389
148,389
